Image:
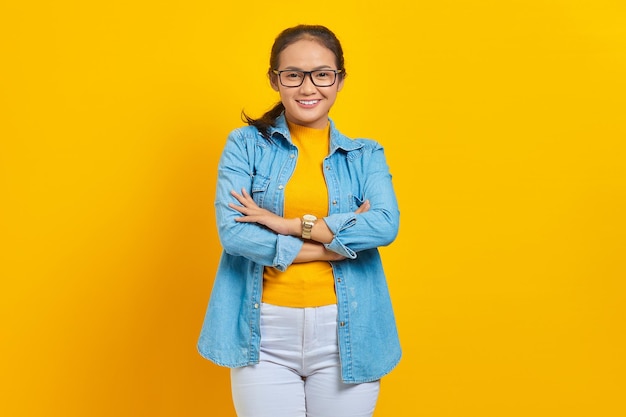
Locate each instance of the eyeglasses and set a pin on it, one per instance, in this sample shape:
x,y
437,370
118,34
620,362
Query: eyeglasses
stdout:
x,y
319,78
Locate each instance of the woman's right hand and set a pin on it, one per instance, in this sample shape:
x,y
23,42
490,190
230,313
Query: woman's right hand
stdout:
x,y
363,207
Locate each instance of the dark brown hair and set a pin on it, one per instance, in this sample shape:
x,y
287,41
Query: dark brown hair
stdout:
x,y
321,34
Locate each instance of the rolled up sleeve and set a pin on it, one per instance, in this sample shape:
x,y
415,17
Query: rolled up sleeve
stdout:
x,y
336,224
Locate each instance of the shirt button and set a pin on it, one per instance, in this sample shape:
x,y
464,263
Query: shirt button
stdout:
x,y
256,305
334,202
280,187
343,323
292,156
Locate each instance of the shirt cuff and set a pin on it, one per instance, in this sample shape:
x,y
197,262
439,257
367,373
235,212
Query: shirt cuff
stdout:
x,y
287,248
336,223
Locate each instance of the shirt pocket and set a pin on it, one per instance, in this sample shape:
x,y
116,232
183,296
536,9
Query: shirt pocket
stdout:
x,y
355,202
260,184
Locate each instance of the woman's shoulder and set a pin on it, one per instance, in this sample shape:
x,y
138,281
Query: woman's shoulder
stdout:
x,y
246,136
353,142
363,143
245,132
367,142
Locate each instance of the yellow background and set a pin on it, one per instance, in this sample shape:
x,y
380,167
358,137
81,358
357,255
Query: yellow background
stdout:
x,y
503,123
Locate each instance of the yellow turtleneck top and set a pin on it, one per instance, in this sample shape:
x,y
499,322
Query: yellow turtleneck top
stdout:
x,y
309,284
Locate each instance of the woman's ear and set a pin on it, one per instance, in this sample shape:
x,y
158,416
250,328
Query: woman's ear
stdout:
x,y
273,80
340,84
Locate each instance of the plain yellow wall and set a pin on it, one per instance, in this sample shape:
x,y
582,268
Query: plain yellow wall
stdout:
x,y
503,123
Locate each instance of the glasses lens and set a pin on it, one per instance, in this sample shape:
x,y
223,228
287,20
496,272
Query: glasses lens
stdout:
x,y
321,78
291,78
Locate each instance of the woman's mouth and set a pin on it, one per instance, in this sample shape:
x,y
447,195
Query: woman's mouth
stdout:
x,y
308,103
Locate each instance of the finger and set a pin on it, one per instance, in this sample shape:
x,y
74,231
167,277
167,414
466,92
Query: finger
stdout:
x,y
236,207
363,207
247,200
245,196
244,199
236,195
245,219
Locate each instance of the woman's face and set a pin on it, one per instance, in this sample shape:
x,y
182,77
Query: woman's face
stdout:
x,y
307,105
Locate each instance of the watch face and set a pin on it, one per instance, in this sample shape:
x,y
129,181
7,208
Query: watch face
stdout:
x,y
309,218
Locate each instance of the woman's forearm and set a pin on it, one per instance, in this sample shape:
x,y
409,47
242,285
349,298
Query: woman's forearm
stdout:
x,y
316,252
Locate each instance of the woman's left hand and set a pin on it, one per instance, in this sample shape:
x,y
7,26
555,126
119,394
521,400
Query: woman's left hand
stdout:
x,y
252,213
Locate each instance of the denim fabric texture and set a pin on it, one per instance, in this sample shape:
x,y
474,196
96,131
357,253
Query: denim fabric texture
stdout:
x,y
355,170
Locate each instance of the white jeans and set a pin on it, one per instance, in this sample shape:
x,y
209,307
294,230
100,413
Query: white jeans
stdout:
x,y
299,372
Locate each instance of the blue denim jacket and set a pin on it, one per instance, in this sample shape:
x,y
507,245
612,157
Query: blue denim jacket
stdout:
x,y
355,170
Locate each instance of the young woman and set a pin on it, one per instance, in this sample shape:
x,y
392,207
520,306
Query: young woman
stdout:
x,y
300,308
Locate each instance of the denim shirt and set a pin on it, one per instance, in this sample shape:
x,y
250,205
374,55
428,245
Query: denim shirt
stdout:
x,y
355,170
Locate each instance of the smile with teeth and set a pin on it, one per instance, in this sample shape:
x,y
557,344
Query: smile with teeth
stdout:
x,y
308,102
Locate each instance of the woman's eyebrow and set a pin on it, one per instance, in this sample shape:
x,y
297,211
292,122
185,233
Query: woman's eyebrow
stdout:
x,y
314,69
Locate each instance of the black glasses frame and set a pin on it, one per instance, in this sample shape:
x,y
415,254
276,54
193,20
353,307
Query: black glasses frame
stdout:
x,y
305,73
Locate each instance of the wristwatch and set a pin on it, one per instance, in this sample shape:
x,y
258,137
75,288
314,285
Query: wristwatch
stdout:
x,y
308,220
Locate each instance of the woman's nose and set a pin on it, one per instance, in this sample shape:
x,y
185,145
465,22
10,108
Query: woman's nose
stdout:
x,y
307,84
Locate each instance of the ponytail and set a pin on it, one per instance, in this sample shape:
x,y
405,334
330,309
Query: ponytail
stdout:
x,y
266,121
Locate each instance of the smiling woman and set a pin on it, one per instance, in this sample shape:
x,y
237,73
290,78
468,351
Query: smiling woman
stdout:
x,y
300,308
297,52
307,101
